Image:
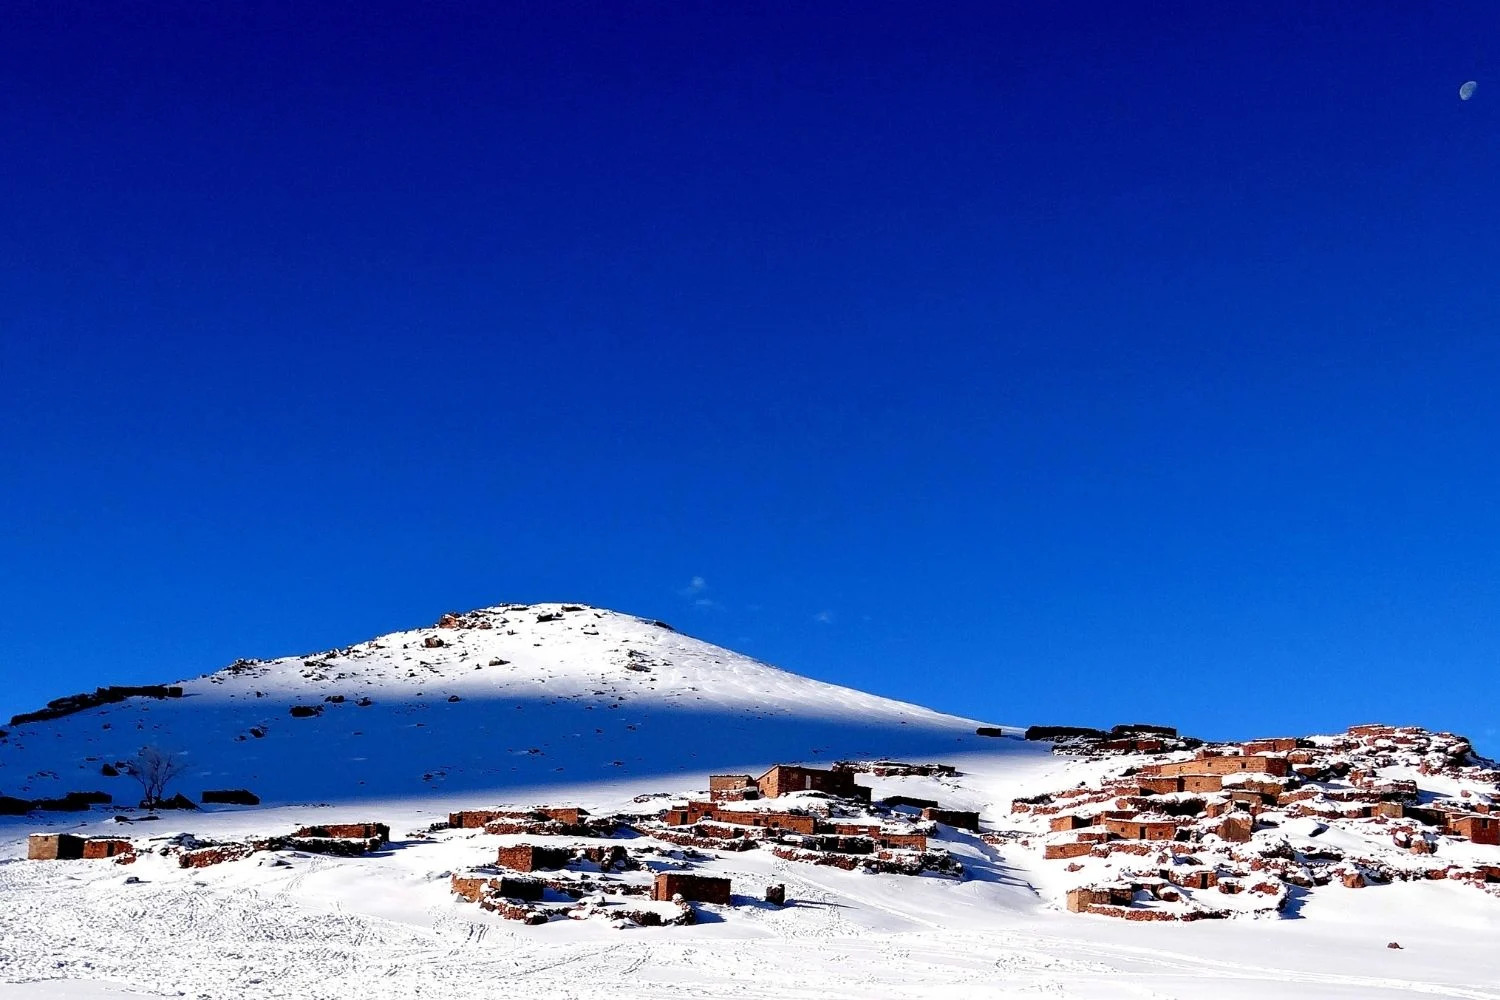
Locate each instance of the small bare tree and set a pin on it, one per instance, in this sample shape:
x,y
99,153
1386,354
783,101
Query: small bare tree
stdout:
x,y
154,768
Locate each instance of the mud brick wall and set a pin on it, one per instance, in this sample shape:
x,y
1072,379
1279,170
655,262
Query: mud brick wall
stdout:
x,y
54,847
1136,913
789,822
207,856
1227,764
727,831
783,779
1058,852
563,814
348,831
701,888
1479,829
1276,745
850,829
475,887
904,841
1080,900
1130,829
1203,878
468,887
1236,828
953,817
107,848
1371,729
692,839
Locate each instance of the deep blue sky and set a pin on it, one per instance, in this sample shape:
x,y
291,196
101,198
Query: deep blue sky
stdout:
x,y
1097,362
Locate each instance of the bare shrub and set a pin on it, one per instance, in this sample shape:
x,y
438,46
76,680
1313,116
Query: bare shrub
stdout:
x,y
154,768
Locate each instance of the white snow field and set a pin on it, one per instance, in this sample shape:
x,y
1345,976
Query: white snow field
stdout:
x,y
594,708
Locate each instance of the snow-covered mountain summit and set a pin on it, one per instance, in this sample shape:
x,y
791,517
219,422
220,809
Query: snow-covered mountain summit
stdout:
x,y
506,697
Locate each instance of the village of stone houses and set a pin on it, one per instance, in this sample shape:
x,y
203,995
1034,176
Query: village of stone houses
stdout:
x,y
542,775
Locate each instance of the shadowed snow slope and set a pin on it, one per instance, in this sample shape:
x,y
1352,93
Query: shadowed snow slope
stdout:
x,y
513,697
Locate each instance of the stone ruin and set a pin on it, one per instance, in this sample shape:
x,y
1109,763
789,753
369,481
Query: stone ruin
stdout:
x,y
896,769
827,820
1219,821
1125,738
525,898
338,840
837,827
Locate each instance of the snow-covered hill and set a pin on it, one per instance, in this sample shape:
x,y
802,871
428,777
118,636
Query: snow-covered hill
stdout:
x,y
504,699
511,707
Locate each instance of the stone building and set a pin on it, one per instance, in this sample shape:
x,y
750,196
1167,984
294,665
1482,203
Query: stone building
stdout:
x,y
1479,829
785,778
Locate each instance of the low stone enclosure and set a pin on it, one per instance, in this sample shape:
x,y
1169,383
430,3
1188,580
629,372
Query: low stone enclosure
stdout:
x,y
561,882
1231,829
1137,737
57,708
546,821
70,802
827,819
525,899
339,840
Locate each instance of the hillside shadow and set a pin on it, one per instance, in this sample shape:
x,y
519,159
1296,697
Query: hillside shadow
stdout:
x,y
493,750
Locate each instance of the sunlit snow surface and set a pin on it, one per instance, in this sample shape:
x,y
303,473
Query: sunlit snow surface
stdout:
x,y
565,721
